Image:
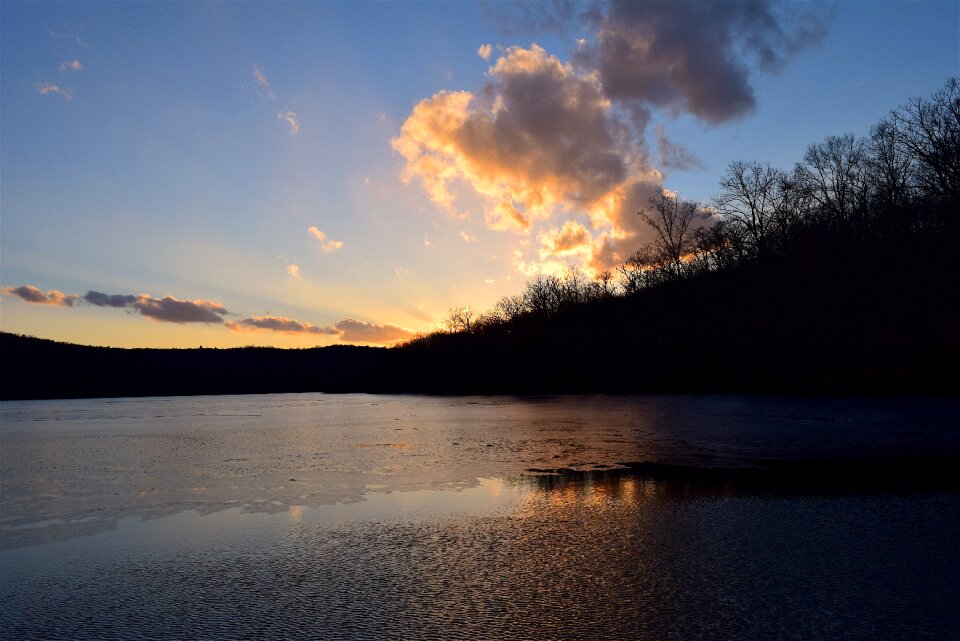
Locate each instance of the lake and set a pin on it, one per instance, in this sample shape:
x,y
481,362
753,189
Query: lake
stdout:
x,y
308,516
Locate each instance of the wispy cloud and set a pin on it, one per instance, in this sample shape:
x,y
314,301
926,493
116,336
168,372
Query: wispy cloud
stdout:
x,y
72,37
33,294
467,236
278,324
326,245
354,331
674,155
71,65
44,88
348,330
263,85
291,119
294,270
484,51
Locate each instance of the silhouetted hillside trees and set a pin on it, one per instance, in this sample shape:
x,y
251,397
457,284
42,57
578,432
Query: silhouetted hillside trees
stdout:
x,y
847,256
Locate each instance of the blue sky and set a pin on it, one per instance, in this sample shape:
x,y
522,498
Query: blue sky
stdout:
x,y
181,152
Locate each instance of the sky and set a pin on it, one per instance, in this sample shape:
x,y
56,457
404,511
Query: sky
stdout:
x,y
311,173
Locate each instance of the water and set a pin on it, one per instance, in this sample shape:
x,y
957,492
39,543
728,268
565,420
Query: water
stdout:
x,y
315,516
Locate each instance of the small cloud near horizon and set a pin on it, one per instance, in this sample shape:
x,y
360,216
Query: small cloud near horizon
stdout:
x,y
348,330
33,294
278,324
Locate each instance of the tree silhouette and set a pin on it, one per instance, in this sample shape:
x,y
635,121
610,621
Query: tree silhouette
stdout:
x,y
672,219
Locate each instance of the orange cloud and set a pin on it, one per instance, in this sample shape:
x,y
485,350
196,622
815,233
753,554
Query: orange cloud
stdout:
x,y
354,331
348,330
32,294
278,324
484,51
571,238
71,65
540,142
326,245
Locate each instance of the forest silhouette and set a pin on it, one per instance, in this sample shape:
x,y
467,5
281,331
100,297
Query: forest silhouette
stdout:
x,y
838,276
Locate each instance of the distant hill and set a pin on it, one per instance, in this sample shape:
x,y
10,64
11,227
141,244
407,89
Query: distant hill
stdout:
x,y
38,368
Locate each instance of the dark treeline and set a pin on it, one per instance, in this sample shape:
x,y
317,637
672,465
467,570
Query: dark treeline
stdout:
x,y
839,276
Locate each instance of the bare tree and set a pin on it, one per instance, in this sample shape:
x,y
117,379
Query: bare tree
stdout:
x,y
672,219
834,175
639,270
459,319
930,130
891,164
753,198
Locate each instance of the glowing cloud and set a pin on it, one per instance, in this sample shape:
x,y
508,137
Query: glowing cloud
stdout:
x,y
33,294
484,51
326,245
71,65
294,270
572,238
540,138
468,237
45,88
354,331
291,119
278,324
348,330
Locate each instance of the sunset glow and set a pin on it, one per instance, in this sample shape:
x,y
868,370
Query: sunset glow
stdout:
x,y
184,174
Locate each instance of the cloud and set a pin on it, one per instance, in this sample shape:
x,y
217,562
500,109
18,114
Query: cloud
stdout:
x,y
468,237
674,155
694,57
326,245
172,310
571,238
73,37
263,86
33,294
44,88
348,330
107,300
71,65
294,270
291,119
538,137
278,324
484,51
354,331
